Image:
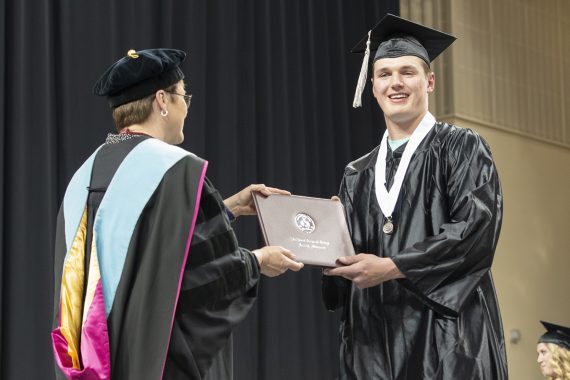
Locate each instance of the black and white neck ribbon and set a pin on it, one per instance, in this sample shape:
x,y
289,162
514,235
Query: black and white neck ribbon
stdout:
x,y
387,199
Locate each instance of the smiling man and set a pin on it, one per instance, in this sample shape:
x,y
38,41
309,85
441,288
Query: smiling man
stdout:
x,y
424,210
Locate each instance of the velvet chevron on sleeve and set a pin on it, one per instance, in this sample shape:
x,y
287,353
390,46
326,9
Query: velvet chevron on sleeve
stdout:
x,y
218,290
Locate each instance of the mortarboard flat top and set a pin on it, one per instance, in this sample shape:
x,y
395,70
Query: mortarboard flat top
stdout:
x,y
556,334
140,73
433,41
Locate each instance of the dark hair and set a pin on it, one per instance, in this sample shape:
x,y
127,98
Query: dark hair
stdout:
x,y
137,111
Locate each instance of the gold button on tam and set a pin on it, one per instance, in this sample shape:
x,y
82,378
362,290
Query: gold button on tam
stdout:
x,y
132,53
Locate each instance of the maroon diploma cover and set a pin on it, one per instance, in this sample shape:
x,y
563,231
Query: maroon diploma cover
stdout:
x,y
314,229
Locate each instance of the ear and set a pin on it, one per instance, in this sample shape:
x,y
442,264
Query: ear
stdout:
x,y
372,85
431,81
160,96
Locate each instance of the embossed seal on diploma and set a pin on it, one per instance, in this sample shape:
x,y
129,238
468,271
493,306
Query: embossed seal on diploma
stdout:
x,y
304,222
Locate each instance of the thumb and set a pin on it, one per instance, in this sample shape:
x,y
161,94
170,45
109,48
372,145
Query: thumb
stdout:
x,y
295,266
348,260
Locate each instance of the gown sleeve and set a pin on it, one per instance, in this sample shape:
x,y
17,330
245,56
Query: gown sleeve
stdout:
x,y
219,288
444,269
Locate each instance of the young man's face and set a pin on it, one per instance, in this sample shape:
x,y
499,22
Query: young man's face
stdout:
x,y
401,87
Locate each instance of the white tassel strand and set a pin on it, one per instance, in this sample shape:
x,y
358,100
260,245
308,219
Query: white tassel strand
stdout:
x,y
362,77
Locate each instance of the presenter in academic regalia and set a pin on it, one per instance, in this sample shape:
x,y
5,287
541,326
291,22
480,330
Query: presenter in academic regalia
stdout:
x,y
150,280
424,210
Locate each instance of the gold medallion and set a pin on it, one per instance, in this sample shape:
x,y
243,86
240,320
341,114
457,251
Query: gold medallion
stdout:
x,y
388,227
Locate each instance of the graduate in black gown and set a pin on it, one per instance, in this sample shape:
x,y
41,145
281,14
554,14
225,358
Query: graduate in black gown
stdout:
x,y
150,279
424,210
553,349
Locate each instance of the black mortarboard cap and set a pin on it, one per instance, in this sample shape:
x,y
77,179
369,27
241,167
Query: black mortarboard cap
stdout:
x,y
140,73
394,37
556,334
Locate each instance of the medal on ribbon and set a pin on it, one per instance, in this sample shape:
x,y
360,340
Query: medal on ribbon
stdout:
x,y
387,199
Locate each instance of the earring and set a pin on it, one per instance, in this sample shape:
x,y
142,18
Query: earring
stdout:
x,y
163,113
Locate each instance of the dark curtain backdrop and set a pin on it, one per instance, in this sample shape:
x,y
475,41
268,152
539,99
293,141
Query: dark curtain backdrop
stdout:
x,y
273,84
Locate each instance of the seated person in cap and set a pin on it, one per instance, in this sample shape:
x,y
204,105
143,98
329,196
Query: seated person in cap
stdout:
x,y
424,209
553,350
150,280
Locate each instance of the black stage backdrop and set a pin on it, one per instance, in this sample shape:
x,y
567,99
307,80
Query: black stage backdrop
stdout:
x,y
273,84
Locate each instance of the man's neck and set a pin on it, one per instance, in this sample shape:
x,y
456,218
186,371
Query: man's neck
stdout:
x,y
398,131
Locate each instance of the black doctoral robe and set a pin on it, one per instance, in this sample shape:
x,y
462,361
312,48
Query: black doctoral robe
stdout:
x,y
442,321
219,280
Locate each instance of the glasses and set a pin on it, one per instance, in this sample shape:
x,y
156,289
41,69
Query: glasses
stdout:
x,y
187,98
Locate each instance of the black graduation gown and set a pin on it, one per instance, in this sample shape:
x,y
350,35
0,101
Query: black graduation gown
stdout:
x,y
219,284
442,321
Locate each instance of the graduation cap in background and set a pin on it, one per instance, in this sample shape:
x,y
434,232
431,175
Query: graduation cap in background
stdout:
x,y
394,37
138,74
556,334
